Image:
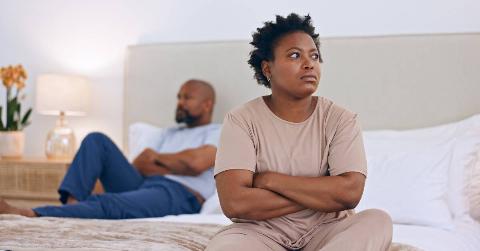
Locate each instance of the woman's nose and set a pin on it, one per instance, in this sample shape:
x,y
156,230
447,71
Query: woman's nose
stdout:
x,y
308,64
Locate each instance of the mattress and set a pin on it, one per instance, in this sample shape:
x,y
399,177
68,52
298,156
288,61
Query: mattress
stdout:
x,y
187,232
169,233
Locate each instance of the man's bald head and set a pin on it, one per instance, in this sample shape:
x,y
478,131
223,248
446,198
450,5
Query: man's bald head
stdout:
x,y
204,88
196,99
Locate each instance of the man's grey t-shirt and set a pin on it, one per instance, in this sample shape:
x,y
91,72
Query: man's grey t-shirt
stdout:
x,y
179,138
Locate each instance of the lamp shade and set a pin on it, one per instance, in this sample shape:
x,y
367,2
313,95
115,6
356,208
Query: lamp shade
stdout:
x,y
62,93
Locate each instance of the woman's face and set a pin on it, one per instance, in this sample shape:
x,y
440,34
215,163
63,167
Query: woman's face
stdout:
x,y
295,69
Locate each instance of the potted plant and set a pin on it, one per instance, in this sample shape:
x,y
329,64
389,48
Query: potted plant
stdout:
x,y
12,139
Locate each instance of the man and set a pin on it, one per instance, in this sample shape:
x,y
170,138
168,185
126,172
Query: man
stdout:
x,y
174,179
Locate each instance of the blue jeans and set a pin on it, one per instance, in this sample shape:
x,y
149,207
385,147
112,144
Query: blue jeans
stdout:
x,y
127,193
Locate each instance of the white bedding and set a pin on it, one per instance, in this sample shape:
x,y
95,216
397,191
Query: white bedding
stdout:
x,y
426,176
465,236
192,218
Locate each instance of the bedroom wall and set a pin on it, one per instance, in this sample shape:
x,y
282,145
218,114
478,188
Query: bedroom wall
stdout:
x,y
90,38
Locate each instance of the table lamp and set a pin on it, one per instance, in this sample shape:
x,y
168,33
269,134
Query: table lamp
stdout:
x,y
62,95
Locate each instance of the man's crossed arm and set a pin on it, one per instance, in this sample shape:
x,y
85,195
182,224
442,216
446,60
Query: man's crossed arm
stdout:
x,y
191,162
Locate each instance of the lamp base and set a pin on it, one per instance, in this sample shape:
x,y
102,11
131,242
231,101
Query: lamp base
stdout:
x,y
60,143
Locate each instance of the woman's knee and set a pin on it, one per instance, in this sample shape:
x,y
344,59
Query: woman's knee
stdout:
x,y
241,239
378,221
231,241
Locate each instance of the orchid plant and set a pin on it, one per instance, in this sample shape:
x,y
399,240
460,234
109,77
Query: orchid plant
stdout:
x,y
13,78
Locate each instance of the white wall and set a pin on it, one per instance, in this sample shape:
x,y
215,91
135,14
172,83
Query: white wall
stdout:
x,y
90,37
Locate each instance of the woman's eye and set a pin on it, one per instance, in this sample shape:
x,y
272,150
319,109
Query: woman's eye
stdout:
x,y
295,55
315,56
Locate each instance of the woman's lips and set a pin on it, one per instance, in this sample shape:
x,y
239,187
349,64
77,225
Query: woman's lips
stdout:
x,y
309,78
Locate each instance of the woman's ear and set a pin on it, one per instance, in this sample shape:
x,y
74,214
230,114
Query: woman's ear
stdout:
x,y
266,70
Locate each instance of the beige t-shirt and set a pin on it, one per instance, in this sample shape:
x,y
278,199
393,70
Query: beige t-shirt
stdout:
x,y
329,142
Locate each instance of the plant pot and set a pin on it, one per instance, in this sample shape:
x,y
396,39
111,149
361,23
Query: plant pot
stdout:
x,y
11,144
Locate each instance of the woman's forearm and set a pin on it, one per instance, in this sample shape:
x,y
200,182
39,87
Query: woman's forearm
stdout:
x,y
259,204
326,194
239,199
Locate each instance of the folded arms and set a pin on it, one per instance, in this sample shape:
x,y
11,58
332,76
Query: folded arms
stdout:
x,y
261,196
190,162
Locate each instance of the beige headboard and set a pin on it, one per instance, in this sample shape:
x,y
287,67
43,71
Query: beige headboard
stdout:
x,y
394,82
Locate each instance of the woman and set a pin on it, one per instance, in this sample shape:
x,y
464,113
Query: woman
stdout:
x,y
291,166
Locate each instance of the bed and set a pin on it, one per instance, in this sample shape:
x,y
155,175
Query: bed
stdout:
x,y
424,170
415,95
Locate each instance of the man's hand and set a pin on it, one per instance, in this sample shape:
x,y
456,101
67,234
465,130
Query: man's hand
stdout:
x,y
191,162
147,164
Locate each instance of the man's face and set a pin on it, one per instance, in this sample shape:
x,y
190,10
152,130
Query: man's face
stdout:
x,y
190,104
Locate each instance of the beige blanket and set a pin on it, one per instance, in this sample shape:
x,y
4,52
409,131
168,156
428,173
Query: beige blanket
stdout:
x,y
20,233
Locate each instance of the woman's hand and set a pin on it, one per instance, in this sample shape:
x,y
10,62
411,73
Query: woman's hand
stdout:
x,y
240,199
263,180
325,193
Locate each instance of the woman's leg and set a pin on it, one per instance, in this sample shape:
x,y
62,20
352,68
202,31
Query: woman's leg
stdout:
x,y
368,230
239,239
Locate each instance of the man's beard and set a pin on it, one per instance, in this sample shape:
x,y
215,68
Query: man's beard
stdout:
x,y
185,117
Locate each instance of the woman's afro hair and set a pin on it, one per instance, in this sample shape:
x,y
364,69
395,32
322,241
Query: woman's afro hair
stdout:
x,y
266,37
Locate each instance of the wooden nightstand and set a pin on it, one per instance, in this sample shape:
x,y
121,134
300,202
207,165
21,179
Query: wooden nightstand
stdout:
x,y
31,182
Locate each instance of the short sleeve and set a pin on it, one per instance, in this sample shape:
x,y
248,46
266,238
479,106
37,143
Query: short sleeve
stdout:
x,y
213,135
236,149
347,152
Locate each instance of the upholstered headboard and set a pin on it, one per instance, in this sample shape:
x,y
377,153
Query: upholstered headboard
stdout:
x,y
394,82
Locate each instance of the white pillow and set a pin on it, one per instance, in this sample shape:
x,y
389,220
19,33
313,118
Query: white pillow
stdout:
x,y
410,185
473,188
464,159
142,135
465,133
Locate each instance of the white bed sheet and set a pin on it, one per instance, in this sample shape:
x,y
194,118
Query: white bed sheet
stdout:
x,y
194,218
465,236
